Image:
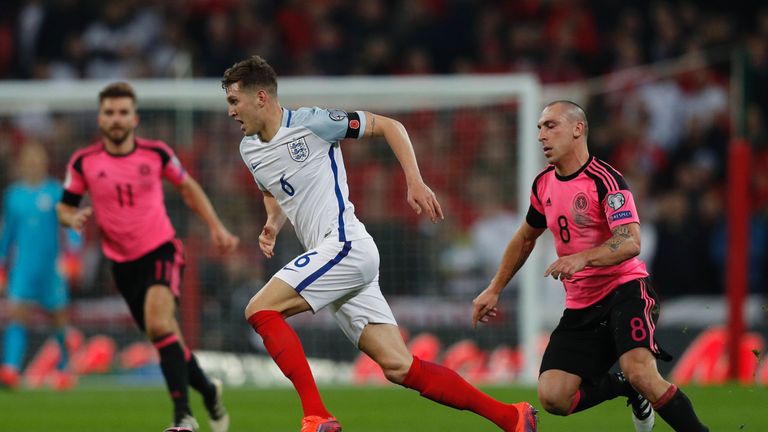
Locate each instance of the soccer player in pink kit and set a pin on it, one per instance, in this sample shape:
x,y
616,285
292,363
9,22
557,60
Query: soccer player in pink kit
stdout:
x,y
295,158
610,307
123,174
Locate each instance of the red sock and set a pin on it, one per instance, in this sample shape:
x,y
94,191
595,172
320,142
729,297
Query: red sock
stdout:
x,y
665,398
285,348
445,386
575,402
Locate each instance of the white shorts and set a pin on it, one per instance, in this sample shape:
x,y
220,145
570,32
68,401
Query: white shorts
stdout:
x,y
344,275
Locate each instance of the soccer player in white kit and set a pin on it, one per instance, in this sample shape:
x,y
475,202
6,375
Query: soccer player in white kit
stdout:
x,y
295,159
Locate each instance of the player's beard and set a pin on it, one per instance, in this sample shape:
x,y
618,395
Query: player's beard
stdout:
x,y
116,135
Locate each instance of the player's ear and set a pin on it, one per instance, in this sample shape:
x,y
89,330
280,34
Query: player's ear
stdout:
x,y
578,129
262,96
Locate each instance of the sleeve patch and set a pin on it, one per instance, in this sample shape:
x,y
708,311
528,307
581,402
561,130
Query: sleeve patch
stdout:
x,y
337,114
616,200
67,179
621,215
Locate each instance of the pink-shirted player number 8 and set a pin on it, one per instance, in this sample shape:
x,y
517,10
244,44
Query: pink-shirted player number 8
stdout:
x,y
638,329
565,235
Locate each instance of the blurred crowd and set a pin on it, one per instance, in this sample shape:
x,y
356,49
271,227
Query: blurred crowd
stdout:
x,y
668,134
560,40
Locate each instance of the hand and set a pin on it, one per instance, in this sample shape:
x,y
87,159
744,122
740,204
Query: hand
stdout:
x,y
224,241
421,197
565,267
267,240
80,218
484,307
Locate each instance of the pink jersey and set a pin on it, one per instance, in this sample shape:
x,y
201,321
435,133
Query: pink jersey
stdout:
x,y
581,210
126,194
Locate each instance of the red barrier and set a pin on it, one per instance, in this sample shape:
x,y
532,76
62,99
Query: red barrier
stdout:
x,y
138,355
43,364
504,364
706,359
96,356
468,360
737,262
425,346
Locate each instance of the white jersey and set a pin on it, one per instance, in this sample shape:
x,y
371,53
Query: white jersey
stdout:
x,y
303,168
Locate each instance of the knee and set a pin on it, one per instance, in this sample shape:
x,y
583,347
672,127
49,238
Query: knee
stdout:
x,y
395,370
158,327
641,377
261,302
555,403
155,332
251,308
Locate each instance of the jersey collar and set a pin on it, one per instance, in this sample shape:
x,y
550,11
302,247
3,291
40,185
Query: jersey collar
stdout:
x,y
576,174
120,155
286,120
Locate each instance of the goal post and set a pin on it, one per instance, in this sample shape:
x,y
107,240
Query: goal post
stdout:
x,y
184,102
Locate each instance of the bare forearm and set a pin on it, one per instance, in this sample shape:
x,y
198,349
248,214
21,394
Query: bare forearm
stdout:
x,y
198,202
65,214
623,245
275,215
73,217
517,253
397,138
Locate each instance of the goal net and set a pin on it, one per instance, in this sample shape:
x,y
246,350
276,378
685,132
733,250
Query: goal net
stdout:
x,y
475,139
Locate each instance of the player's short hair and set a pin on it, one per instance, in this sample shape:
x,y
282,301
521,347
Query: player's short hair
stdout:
x,y
251,73
574,112
117,90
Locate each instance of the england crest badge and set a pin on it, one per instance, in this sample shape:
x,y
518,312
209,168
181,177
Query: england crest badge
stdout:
x,y
299,150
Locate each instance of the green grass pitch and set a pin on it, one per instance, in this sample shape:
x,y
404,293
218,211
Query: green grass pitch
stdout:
x,y
99,407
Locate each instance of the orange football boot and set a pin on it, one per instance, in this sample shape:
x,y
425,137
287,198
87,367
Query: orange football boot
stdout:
x,y
320,424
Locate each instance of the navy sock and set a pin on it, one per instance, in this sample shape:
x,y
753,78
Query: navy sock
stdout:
x,y
174,368
606,387
676,409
